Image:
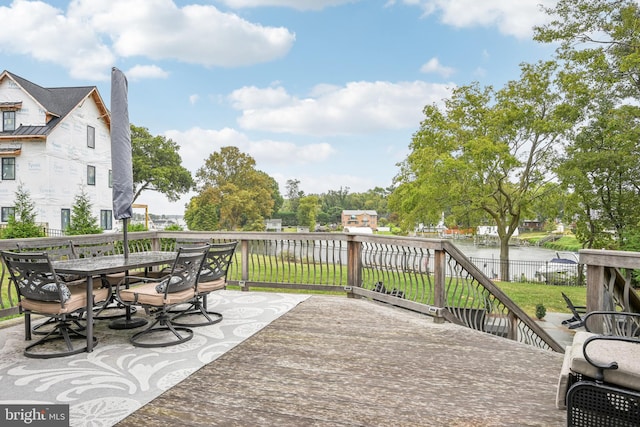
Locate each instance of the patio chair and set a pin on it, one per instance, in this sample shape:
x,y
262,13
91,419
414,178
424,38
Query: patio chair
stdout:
x,y
577,310
600,378
213,277
42,291
113,309
55,252
164,293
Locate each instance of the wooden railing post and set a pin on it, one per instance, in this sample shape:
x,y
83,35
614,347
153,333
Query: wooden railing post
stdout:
x,y
354,263
595,288
439,277
155,243
244,256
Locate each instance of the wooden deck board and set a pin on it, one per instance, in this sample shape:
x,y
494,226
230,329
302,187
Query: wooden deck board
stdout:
x,y
334,361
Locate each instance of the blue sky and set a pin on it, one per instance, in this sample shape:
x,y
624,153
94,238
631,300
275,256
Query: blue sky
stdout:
x,y
328,92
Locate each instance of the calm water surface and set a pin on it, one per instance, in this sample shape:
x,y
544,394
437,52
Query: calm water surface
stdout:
x,y
516,253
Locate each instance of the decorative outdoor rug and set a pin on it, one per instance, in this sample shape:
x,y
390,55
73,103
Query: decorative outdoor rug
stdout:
x,y
103,387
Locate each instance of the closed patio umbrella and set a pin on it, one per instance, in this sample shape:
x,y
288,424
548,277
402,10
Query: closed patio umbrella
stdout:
x,y
122,173
121,162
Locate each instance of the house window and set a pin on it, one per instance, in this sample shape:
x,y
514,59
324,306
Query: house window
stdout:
x,y
91,137
91,175
8,121
65,219
106,218
110,179
7,213
8,168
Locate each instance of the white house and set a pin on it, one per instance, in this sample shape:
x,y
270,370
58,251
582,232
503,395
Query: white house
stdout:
x,y
54,141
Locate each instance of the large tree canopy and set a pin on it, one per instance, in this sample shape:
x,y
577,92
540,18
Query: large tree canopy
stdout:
x,y
600,39
486,155
157,165
232,193
599,47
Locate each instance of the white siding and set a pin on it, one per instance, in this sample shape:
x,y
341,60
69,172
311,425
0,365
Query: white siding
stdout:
x,y
54,171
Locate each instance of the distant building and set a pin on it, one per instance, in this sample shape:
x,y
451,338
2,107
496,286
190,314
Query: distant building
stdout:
x,y
273,224
55,141
360,218
532,225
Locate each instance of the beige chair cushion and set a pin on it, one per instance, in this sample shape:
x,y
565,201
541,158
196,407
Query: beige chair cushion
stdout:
x,y
147,295
626,354
563,381
214,285
77,301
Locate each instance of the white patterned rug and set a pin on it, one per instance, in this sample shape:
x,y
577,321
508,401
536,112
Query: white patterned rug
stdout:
x,y
105,386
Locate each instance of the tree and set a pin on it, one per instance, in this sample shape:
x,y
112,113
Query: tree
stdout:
x,y
486,154
599,41
23,221
294,194
203,211
157,166
236,195
307,211
82,221
601,170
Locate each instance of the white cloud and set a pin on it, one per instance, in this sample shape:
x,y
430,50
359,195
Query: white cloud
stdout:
x,y
140,72
511,17
197,144
358,107
294,4
193,99
89,37
434,66
46,34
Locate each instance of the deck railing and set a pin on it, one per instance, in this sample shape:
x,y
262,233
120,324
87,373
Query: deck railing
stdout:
x,y
429,276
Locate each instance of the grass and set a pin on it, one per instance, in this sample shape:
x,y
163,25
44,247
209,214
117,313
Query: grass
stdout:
x,y
528,295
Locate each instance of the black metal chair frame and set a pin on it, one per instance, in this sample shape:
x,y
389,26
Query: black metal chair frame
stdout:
x,y
186,267
96,250
593,401
216,265
32,273
55,253
577,310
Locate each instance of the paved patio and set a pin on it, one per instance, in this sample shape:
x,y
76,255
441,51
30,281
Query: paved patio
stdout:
x,y
333,361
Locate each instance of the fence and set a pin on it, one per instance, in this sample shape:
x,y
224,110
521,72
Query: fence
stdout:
x,y
551,273
430,276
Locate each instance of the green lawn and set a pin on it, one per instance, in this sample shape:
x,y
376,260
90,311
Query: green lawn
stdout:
x,y
528,295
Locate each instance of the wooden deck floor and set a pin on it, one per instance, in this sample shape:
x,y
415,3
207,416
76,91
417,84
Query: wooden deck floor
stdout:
x,y
335,361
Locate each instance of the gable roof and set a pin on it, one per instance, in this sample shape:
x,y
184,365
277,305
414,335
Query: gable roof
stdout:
x,y
56,102
359,212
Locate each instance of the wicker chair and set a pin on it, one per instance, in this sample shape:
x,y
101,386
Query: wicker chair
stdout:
x,y
162,294
600,378
213,277
42,291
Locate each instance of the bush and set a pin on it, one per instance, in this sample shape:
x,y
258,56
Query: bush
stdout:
x,y
541,311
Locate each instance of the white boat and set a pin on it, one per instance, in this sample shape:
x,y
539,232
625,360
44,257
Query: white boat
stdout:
x,y
561,270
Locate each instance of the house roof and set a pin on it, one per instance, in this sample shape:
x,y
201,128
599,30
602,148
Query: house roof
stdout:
x,y
359,212
57,102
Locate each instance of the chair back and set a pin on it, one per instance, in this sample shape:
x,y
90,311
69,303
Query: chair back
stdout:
x,y
185,269
55,252
613,323
217,261
93,250
34,276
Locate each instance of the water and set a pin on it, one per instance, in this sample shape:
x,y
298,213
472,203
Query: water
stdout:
x,y
516,253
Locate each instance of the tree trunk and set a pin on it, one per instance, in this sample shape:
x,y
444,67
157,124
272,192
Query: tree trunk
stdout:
x,y
504,259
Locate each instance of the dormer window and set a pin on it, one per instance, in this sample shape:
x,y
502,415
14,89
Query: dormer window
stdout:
x,y
8,121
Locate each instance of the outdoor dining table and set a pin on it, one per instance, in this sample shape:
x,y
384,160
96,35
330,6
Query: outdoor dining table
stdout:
x,y
108,264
